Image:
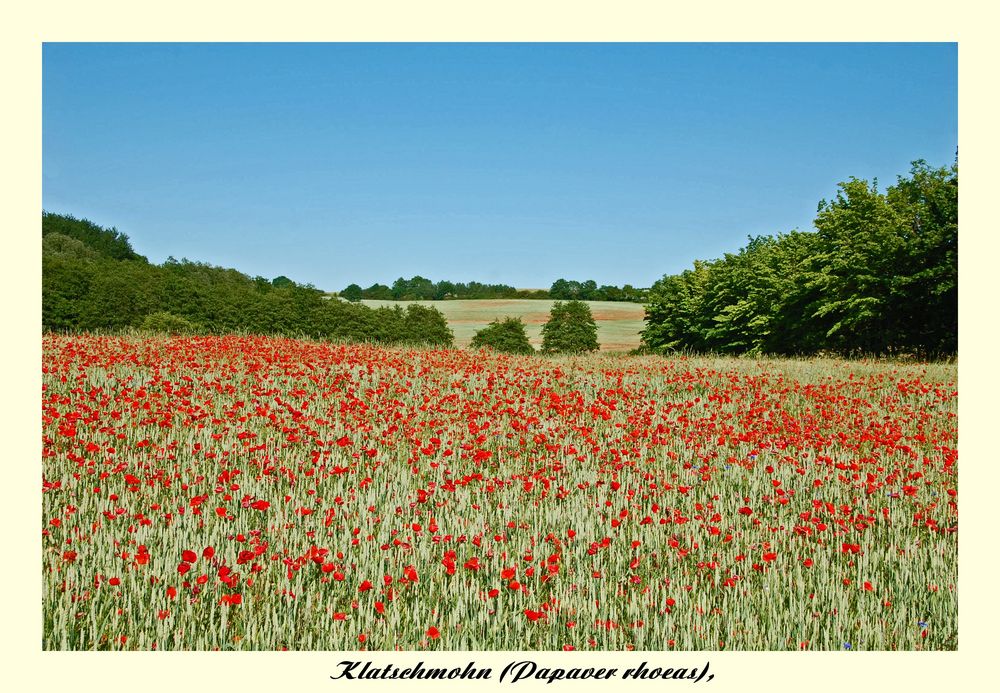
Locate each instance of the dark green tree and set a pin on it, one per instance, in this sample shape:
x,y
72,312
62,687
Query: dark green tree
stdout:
x,y
926,282
352,293
425,325
588,290
570,329
416,289
109,243
378,292
610,293
676,314
878,276
91,280
444,289
860,239
66,282
507,336
120,295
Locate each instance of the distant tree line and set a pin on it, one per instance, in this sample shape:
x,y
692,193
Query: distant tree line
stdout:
x,y
421,289
878,276
92,279
570,290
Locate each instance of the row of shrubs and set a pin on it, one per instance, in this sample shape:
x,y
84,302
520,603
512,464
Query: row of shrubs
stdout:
x,y
414,325
93,281
571,329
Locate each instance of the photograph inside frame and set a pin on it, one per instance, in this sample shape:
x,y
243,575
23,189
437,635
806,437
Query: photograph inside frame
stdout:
x,y
500,347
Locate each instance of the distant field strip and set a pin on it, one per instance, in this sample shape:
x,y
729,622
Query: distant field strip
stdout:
x,y
618,324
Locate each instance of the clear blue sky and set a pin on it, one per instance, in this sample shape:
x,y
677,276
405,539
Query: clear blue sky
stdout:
x,y
513,163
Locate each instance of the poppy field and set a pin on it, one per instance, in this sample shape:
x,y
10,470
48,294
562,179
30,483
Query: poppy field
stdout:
x,y
256,493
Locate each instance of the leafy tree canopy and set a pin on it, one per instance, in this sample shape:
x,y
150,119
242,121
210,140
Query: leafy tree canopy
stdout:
x,y
92,280
879,275
506,335
353,293
108,243
571,329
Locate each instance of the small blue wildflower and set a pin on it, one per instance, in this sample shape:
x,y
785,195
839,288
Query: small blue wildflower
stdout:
x,y
922,624
847,645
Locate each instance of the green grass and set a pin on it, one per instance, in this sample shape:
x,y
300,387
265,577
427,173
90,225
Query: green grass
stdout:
x,y
618,324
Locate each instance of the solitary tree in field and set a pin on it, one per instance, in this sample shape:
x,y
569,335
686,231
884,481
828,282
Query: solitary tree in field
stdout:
x,y
507,336
571,329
